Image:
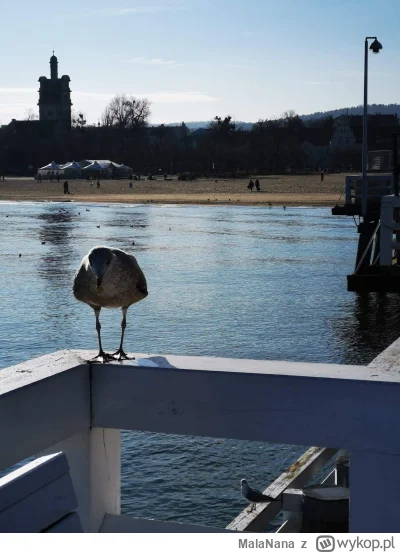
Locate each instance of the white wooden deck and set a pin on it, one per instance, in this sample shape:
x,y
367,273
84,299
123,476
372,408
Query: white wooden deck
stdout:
x,y
59,402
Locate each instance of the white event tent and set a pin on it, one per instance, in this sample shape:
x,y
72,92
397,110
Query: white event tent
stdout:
x,y
71,169
50,168
104,168
72,165
93,168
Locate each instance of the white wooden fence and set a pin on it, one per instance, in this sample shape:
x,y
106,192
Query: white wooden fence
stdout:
x,y
389,226
378,185
59,402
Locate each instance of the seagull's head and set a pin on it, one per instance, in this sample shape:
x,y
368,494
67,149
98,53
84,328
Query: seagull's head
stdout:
x,y
100,260
244,487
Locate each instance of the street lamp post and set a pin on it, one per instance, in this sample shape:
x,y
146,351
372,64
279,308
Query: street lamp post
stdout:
x,y
376,46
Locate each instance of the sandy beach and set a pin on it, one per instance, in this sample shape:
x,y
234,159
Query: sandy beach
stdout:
x,y
299,190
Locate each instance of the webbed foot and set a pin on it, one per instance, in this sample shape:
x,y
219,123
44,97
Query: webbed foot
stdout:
x,y
122,355
103,357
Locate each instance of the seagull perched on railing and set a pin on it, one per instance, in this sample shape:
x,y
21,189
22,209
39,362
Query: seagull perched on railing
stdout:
x,y
109,277
252,495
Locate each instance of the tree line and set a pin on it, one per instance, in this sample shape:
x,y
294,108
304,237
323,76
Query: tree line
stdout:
x,y
124,135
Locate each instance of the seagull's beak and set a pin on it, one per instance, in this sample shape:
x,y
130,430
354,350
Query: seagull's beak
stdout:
x,y
98,272
99,288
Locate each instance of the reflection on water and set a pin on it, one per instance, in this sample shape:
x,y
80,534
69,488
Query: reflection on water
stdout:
x,y
241,282
372,324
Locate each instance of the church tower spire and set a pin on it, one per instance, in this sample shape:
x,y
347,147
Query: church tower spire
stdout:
x,y
53,67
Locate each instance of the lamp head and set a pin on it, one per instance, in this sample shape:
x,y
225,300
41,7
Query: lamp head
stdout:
x,y
376,47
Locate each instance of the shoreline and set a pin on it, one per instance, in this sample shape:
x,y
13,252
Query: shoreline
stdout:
x,y
276,190
276,201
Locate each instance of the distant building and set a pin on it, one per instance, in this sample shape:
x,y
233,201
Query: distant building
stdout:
x,y
341,146
22,142
343,135
54,109
348,130
55,97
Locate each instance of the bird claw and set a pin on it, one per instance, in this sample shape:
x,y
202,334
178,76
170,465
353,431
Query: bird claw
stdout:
x,y
104,357
122,355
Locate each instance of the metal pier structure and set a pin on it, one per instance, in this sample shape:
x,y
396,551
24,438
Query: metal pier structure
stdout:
x,y
377,266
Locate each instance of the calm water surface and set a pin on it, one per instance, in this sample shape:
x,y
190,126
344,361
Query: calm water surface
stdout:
x,y
244,282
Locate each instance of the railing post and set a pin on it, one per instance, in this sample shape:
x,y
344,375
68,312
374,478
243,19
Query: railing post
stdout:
x,y
105,475
348,188
374,492
386,237
94,457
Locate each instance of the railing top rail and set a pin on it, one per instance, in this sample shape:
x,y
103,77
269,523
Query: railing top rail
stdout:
x,y
46,366
37,369
48,399
255,366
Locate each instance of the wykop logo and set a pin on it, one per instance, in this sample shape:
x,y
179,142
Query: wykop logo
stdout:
x,y
325,544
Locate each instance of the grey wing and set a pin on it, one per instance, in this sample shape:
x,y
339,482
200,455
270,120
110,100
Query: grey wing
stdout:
x,y
130,261
256,496
142,284
79,284
126,259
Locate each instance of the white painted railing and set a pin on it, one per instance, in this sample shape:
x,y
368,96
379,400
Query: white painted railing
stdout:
x,y
59,402
388,227
378,186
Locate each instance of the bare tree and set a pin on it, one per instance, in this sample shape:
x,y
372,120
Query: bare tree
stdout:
x,y
78,120
289,114
126,112
31,115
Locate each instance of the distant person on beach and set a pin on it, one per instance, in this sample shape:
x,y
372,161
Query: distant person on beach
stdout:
x,y
58,177
257,183
66,189
98,183
250,186
39,177
130,184
322,175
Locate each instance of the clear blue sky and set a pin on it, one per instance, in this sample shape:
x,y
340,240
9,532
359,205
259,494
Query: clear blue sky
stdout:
x,y
195,59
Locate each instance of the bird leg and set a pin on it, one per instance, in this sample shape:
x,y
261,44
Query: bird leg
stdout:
x,y
120,351
102,354
252,507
